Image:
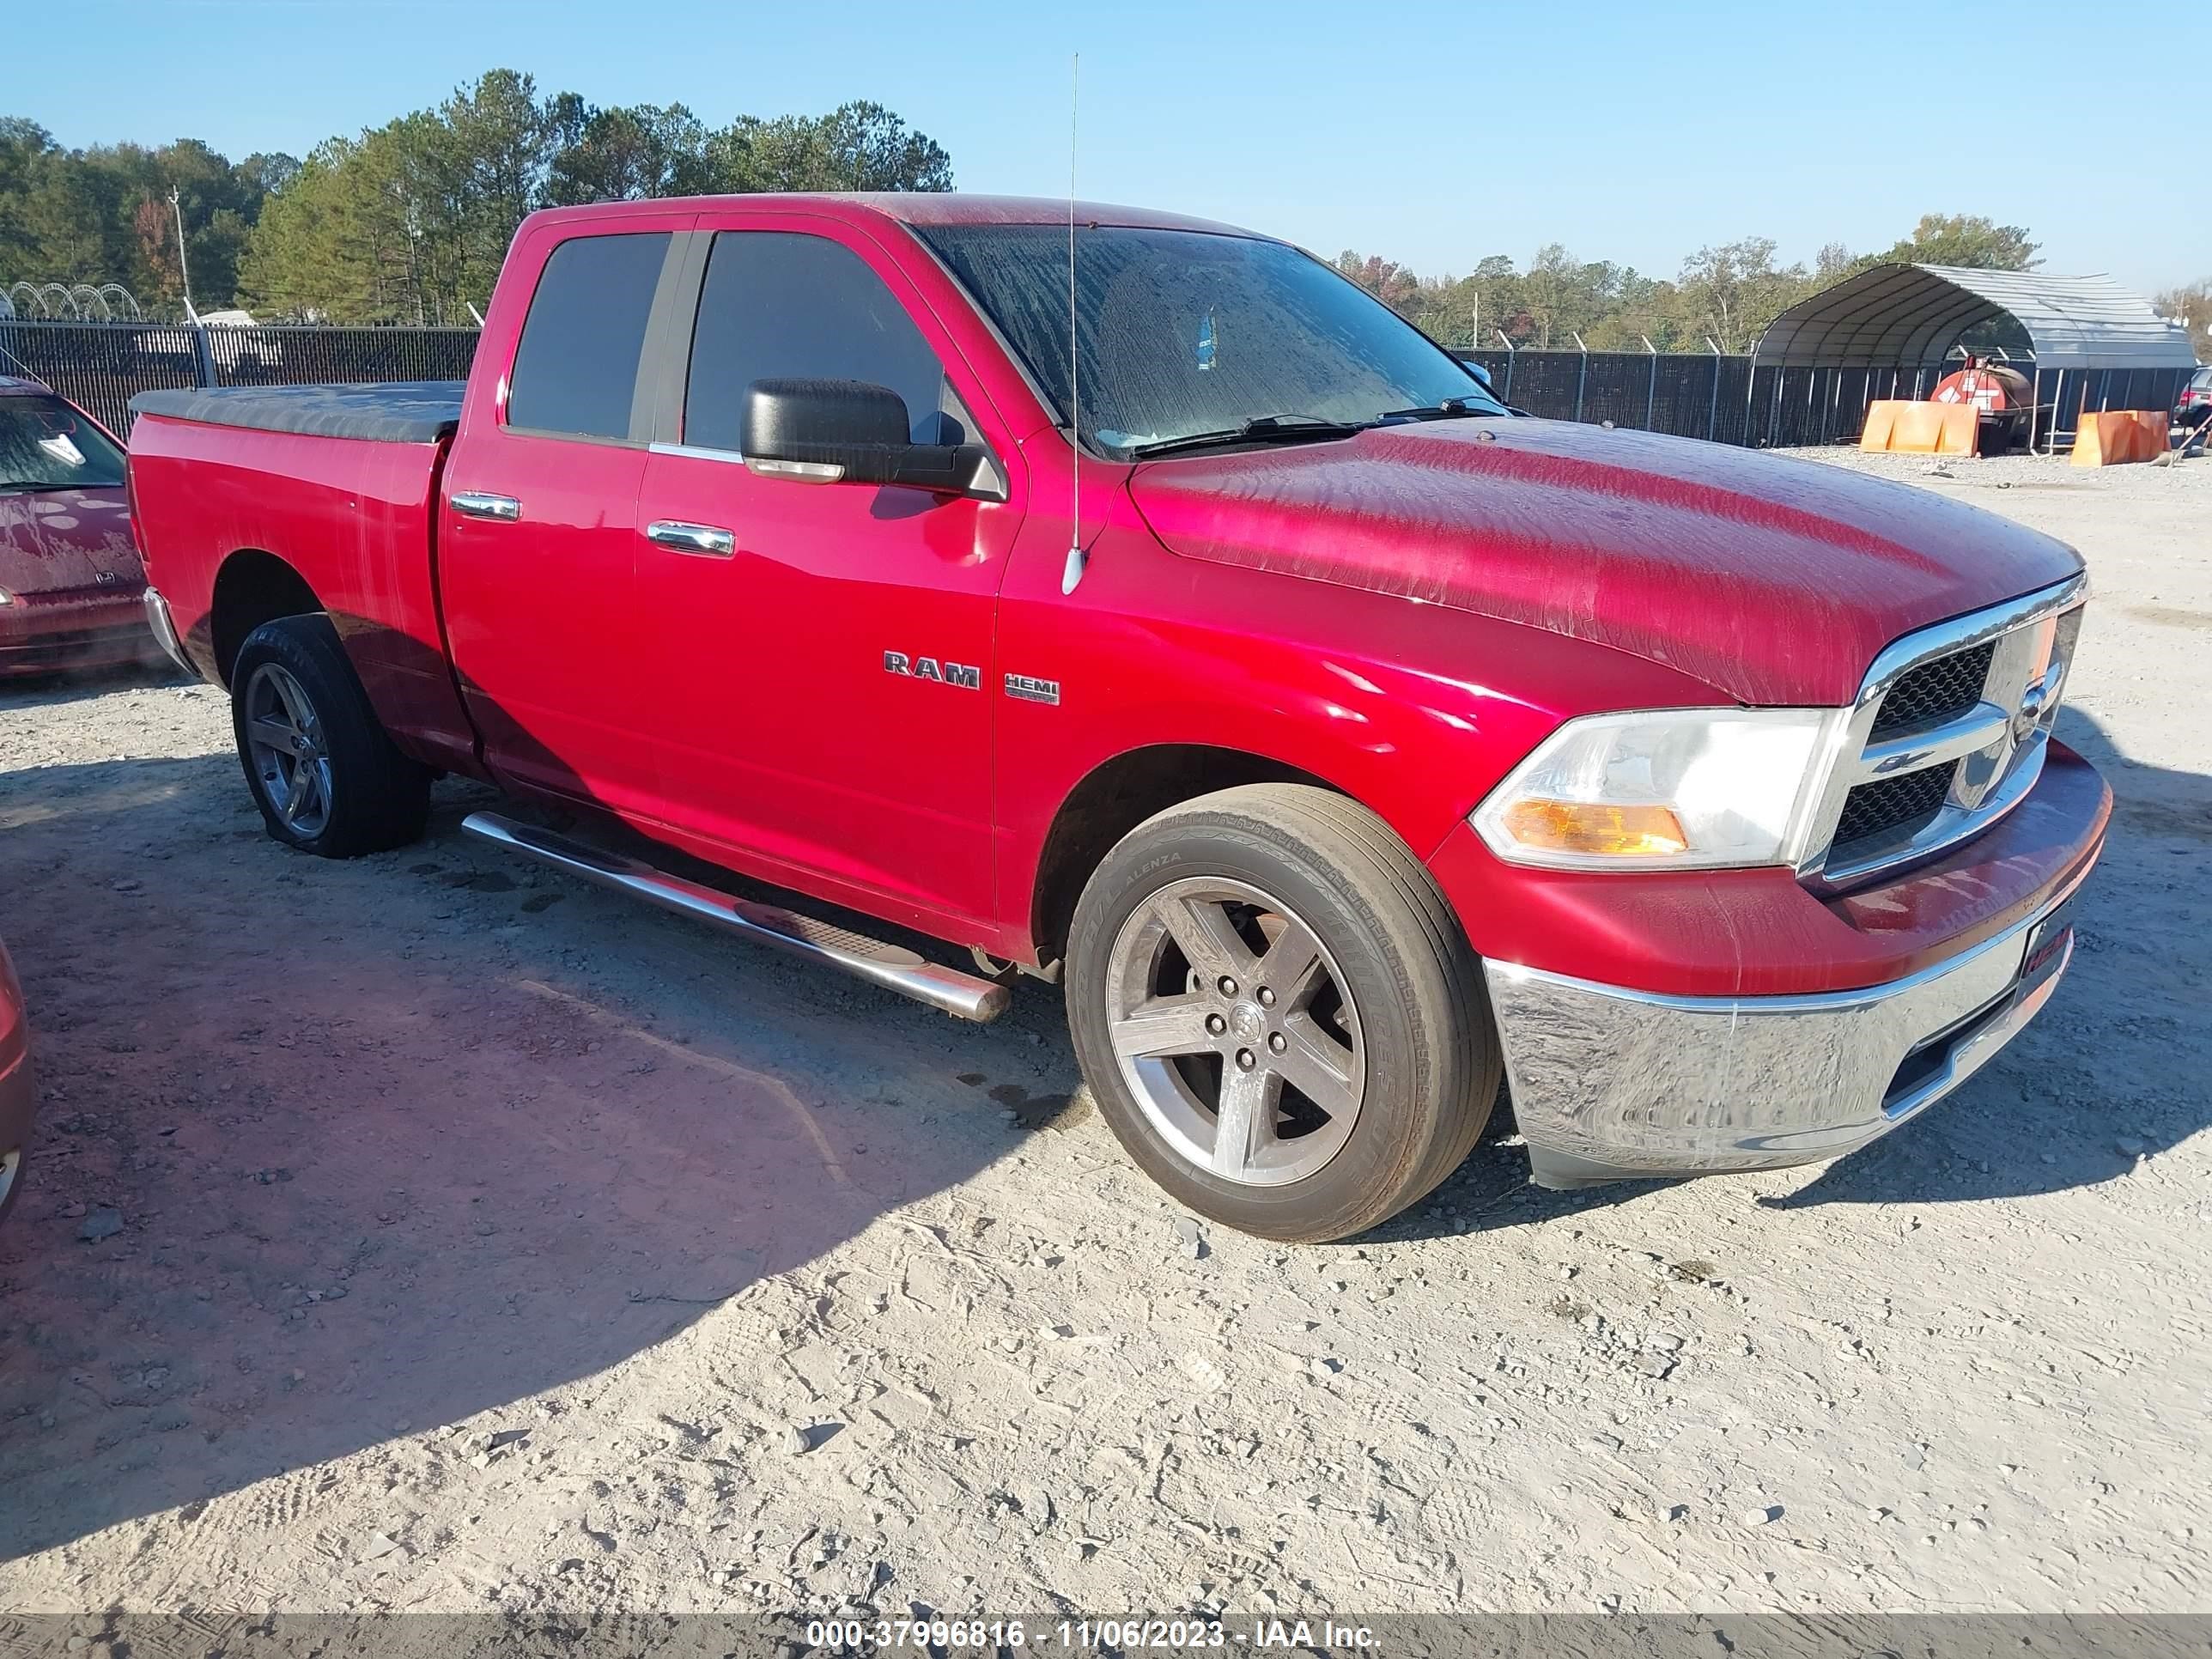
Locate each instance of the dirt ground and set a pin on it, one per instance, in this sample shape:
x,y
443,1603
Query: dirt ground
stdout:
x,y
432,1233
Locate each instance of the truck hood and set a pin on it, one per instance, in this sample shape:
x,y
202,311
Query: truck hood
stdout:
x,y
1774,580
62,541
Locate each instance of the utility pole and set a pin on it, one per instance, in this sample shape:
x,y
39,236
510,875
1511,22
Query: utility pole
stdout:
x,y
1476,337
176,208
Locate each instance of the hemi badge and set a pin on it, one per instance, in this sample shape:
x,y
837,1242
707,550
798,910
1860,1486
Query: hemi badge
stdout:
x,y
1029,688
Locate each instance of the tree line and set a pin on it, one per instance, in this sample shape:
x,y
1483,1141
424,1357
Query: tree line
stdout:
x,y
102,214
408,222
1722,295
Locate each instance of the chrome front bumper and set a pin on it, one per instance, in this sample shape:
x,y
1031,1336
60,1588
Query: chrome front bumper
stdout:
x,y
1611,1085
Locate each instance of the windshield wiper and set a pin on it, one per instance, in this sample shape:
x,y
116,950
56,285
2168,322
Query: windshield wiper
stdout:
x,y
1451,409
30,484
1260,429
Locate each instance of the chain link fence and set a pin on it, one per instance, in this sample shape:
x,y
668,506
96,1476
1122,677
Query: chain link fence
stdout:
x,y
97,365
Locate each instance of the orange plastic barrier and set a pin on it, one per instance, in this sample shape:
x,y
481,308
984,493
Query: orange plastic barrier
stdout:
x,y
1895,423
2119,435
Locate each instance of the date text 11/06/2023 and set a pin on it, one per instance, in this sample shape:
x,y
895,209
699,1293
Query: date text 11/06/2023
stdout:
x,y
1082,1635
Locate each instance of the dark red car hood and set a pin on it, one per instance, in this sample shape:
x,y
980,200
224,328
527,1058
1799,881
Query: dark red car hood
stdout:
x,y
1774,580
67,541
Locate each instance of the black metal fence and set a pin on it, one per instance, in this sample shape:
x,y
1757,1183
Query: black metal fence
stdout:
x,y
1726,400
99,366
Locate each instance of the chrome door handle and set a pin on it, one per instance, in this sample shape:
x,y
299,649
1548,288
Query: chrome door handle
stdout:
x,y
476,504
708,539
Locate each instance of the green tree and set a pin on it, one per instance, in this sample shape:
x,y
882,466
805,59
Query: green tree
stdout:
x,y
1387,280
625,155
408,222
1959,239
102,214
1731,292
857,146
485,158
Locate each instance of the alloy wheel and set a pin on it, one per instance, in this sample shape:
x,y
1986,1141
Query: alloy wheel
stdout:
x,y
287,749
1236,1031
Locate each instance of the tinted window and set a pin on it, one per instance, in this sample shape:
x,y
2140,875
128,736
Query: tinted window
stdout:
x,y
46,445
777,304
1188,331
576,368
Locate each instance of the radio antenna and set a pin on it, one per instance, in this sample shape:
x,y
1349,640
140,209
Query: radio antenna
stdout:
x,y
1071,572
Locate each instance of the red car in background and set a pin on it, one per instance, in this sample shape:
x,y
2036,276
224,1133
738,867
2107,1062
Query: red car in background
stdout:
x,y
19,1097
72,591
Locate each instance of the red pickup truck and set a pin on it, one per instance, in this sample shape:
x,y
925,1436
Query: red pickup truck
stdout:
x,y
1335,739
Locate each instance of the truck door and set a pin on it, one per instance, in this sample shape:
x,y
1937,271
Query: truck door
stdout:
x,y
826,676
535,534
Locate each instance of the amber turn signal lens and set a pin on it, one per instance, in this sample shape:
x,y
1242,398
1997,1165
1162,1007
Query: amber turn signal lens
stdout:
x,y
1567,826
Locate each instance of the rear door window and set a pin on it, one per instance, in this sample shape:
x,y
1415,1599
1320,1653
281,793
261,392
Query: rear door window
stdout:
x,y
777,304
575,371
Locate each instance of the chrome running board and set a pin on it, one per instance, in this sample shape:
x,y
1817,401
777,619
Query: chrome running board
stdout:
x,y
895,968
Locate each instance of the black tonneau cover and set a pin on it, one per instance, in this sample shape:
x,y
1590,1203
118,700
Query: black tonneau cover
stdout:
x,y
382,411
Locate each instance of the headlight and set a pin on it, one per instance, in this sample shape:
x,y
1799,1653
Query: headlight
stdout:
x,y
6,597
1682,788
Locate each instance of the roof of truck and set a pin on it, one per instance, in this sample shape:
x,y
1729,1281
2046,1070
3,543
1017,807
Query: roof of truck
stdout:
x,y
914,207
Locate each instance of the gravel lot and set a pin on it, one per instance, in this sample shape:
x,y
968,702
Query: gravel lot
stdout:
x,y
434,1233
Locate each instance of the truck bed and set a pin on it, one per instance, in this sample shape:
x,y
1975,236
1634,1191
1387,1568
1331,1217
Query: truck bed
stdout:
x,y
382,411
332,487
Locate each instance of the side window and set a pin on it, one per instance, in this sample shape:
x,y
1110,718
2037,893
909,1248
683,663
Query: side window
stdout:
x,y
576,368
776,303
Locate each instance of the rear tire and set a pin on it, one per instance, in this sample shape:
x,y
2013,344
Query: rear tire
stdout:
x,y
323,770
1277,1013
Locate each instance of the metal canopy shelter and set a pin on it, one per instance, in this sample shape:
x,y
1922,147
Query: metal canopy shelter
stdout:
x,y
1912,316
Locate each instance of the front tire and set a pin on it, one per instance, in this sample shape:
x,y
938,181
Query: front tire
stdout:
x,y
1277,1013
323,770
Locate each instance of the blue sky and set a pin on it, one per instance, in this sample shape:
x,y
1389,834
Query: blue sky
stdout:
x,y
1432,134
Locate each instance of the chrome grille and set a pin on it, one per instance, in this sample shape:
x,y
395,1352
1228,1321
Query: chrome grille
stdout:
x,y
1905,802
1946,736
1935,691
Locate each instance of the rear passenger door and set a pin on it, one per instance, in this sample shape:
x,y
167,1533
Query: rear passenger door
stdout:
x,y
827,676
536,538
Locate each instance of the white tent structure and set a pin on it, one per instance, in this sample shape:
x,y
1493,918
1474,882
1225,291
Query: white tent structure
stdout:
x,y
2087,336
1908,316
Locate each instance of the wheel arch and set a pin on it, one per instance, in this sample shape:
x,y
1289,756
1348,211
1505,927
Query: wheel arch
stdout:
x,y
254,586
1114,798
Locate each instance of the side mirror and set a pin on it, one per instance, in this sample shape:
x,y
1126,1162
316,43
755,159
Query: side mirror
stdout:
x,y
852,432
1480,371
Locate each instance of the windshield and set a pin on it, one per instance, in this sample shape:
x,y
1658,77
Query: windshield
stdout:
x,y
1185,332
46,445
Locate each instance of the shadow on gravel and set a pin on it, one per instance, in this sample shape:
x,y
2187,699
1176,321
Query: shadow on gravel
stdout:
x,y
332,1151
